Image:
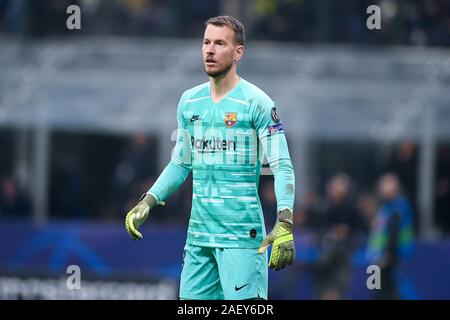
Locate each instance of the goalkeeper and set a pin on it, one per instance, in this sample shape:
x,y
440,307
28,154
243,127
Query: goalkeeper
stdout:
x,y
225,127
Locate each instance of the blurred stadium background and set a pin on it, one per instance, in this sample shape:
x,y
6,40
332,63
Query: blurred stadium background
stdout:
x,y
87,119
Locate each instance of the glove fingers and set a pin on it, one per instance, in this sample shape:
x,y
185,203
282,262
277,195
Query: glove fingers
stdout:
x,y
292,255
127,224
285,259
274,257
138,235
279,262
289,257
129,221
134,234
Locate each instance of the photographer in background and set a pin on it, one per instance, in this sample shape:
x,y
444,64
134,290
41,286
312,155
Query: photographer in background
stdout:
x,y
337,239
391,236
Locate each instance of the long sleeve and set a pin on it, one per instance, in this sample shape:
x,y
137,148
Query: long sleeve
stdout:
x,y
273,141
180,164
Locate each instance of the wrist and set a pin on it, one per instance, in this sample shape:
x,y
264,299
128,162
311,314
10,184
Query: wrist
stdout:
x,y
149,200
286,216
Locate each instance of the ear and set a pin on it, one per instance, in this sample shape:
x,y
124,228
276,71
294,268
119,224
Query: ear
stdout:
x,y
238,53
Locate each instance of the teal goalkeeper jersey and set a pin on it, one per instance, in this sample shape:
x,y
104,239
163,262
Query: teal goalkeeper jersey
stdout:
x,y
224,144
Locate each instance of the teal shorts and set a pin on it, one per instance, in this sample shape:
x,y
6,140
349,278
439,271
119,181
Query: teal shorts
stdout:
x,y
223,273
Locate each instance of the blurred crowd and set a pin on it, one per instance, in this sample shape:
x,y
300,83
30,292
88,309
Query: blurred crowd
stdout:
x,y
341,221
14,201
414,22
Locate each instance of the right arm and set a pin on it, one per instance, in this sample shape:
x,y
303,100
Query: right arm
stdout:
x,y
170,179
179,166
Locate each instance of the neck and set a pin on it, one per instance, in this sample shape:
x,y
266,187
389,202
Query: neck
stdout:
x,y
220,86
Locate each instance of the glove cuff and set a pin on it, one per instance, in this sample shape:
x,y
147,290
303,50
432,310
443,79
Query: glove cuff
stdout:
x,y
286,216
150,200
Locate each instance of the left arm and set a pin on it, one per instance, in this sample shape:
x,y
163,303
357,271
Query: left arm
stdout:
x,y
273,141
276,150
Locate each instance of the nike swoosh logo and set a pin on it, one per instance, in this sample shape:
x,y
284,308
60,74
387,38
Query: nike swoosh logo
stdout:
x,y
239,288
195,118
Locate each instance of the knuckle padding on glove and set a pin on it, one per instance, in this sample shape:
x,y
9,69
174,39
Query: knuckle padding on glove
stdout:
x,y
285,238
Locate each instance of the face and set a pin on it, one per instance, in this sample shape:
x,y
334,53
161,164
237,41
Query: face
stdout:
x,y
220,51
338,189
389,187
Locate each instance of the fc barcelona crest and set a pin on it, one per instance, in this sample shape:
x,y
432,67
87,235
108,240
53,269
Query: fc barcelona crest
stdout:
x,y
230,119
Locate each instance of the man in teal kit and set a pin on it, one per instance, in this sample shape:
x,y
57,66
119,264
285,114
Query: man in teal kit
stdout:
x,y
225,127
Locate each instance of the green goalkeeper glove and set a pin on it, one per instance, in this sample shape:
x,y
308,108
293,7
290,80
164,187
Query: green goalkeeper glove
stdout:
x,y
136,217
283,250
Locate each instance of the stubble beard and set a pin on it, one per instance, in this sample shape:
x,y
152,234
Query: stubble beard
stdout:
x,y
219,73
